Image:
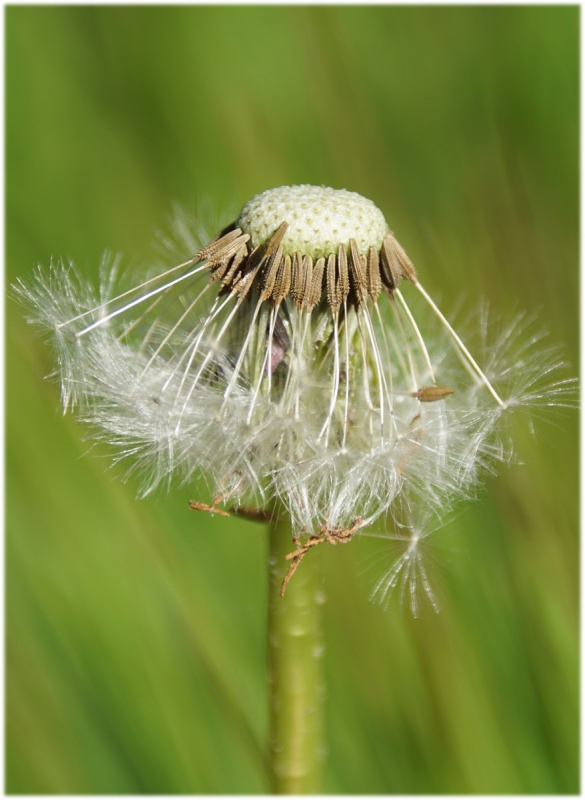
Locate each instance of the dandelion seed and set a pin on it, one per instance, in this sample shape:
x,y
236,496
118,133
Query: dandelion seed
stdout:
x,y
408,574
283,361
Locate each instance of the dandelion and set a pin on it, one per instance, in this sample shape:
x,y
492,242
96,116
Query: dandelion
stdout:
x,y
285,363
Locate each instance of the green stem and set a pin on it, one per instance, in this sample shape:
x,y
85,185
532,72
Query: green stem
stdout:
x,y
295,656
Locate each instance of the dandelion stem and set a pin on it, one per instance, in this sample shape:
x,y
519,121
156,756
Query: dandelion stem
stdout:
x,y
295,652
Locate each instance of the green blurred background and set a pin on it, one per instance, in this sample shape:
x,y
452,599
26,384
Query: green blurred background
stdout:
x,y
135,629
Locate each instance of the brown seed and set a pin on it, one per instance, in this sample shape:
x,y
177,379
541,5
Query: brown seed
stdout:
x,y
220,262
243,281
333,293
390,268
276,239
283,280
373,274
269,273
400,264
233,267
219,270
429,394
358,273
218,244
297,279
228,251
316,289
343,272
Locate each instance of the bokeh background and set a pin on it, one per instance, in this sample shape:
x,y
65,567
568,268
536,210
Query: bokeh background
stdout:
x,y
135,628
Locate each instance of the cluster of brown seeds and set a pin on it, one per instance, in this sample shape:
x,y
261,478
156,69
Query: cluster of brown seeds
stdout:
x,y
345,276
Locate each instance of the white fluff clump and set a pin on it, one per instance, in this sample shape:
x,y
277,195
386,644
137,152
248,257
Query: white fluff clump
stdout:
x,y
340,411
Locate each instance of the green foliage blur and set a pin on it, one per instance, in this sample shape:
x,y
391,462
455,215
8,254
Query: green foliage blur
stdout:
x,y
135,628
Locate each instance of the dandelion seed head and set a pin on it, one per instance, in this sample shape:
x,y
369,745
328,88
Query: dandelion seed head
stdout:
x,y
287,363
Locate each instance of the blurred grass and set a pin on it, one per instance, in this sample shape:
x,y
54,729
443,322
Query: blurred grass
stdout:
x,y
135,651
